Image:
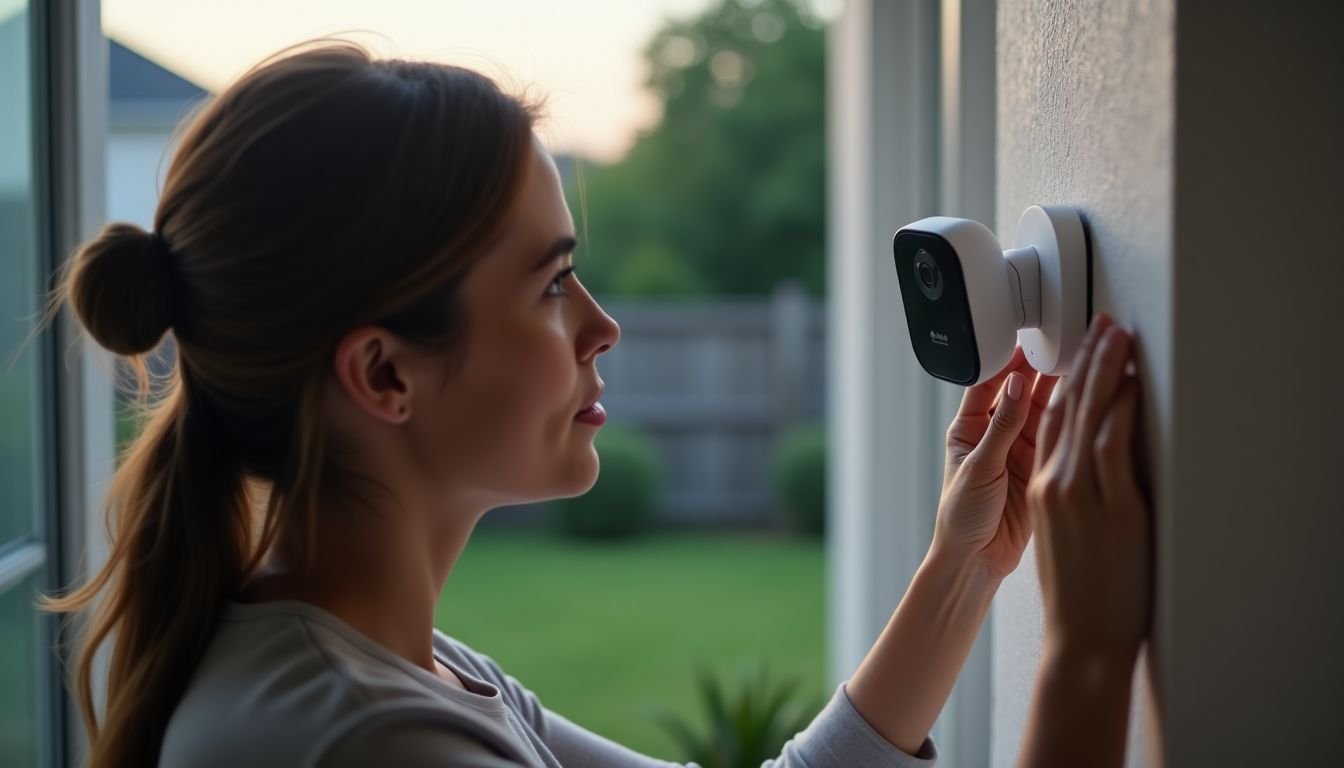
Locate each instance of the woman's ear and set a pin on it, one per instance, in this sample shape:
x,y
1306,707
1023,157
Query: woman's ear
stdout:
x,y
371,371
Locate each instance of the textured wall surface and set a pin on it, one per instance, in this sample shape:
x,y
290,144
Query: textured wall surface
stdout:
x,y
1203,144
1086,118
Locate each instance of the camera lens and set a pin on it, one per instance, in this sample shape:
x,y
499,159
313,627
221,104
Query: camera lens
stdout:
x,y
929,277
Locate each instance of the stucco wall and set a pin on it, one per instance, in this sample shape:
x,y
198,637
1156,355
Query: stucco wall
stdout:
x,y
1203,143
1085,114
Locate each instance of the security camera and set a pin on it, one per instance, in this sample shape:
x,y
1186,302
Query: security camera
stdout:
x,y
968,302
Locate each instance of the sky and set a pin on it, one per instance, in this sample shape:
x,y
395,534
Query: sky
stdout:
x,y
583,55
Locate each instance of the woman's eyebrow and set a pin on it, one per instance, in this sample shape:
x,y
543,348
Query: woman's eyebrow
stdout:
x,y
559,248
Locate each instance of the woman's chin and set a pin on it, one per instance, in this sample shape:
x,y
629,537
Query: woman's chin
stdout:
x,y
582,475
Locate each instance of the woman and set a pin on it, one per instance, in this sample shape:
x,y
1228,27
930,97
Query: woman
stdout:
x,y
366,269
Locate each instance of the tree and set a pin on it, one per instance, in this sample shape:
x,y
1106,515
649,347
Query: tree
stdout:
x,y
727,193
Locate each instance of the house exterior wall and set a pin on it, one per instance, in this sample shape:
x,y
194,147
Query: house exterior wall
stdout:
x,y
1086,96
137,160
1201,141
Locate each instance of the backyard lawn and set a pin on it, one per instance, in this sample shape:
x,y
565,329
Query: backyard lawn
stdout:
x,y
607,633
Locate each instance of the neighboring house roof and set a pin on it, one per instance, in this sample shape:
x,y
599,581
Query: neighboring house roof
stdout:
x,y
145,96
142,94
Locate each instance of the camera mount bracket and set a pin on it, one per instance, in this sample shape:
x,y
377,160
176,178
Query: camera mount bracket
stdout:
x,y
1064,264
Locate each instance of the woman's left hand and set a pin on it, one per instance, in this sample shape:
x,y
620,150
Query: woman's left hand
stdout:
x,y
991,449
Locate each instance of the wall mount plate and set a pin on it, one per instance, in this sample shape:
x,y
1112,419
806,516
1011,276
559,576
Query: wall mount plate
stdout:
x,y
1056,232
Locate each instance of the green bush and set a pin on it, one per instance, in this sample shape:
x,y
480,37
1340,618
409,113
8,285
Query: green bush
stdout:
x,y
798,477
625,497
743,728
129,423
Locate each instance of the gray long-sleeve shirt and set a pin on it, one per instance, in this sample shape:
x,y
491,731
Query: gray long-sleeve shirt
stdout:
x,y
286,684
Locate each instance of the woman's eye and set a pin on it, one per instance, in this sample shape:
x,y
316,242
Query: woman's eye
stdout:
x,y
558,283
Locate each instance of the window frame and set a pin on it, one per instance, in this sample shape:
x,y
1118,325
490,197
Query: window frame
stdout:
x,y
911,122
78,420
35,555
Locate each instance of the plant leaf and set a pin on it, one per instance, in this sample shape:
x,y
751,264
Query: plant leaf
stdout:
x,y
692,746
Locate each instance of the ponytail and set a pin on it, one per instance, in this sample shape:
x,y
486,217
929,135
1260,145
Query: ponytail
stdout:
x,y
180,529
178,551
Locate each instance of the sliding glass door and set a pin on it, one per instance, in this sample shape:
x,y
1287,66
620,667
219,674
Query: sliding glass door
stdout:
x,y
26,666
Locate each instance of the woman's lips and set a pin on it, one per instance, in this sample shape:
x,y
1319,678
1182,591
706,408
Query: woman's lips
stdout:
x,y
594,414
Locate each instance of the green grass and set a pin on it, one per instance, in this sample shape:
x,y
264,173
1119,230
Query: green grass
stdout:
x,y
605,633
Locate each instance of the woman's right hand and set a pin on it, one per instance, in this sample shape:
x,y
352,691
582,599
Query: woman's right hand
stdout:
x,y
1093,547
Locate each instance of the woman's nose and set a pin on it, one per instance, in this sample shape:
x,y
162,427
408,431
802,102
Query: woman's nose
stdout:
x,y
601,331
606,331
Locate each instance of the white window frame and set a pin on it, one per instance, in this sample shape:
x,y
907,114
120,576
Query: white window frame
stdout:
x,y
911,126
84,421
74,419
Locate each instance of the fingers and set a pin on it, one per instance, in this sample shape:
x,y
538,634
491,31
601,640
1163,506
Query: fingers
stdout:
x,y
1045,387
1040,400
979,398
1113,448
1047,434
1073,386
1022,458
1083,358
1061,412
1009,417
1103,380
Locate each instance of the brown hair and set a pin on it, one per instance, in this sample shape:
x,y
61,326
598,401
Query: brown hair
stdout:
x,y
323,191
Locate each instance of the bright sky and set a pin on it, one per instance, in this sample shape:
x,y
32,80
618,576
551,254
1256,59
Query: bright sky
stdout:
x,y
583,54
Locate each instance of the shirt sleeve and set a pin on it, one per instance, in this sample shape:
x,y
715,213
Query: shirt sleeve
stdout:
x,y
838,737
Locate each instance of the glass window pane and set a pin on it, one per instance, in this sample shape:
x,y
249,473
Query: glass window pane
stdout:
x,y
19,665
19,285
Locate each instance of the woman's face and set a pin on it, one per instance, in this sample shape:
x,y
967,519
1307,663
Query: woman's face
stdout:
x,y
503,427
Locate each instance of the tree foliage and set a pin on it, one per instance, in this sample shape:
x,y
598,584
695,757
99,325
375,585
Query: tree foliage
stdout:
x,y
727,193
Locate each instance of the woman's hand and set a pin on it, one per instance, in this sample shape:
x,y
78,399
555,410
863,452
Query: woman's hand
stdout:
x,y
983,526
991,451
1093,551
1094,558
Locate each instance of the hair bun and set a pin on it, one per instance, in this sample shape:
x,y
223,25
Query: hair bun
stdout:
x,y
121,288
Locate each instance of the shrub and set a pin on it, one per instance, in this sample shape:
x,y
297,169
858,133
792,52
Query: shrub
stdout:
x,y
798,478
742,729
625,497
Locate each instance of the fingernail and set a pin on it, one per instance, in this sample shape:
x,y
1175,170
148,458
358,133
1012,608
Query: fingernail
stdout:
x,y
1115,337
1014,386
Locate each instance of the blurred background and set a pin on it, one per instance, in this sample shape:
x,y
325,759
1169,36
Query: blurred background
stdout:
x,y
682,598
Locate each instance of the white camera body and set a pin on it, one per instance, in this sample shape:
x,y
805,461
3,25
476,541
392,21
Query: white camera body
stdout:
x,y
968,302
